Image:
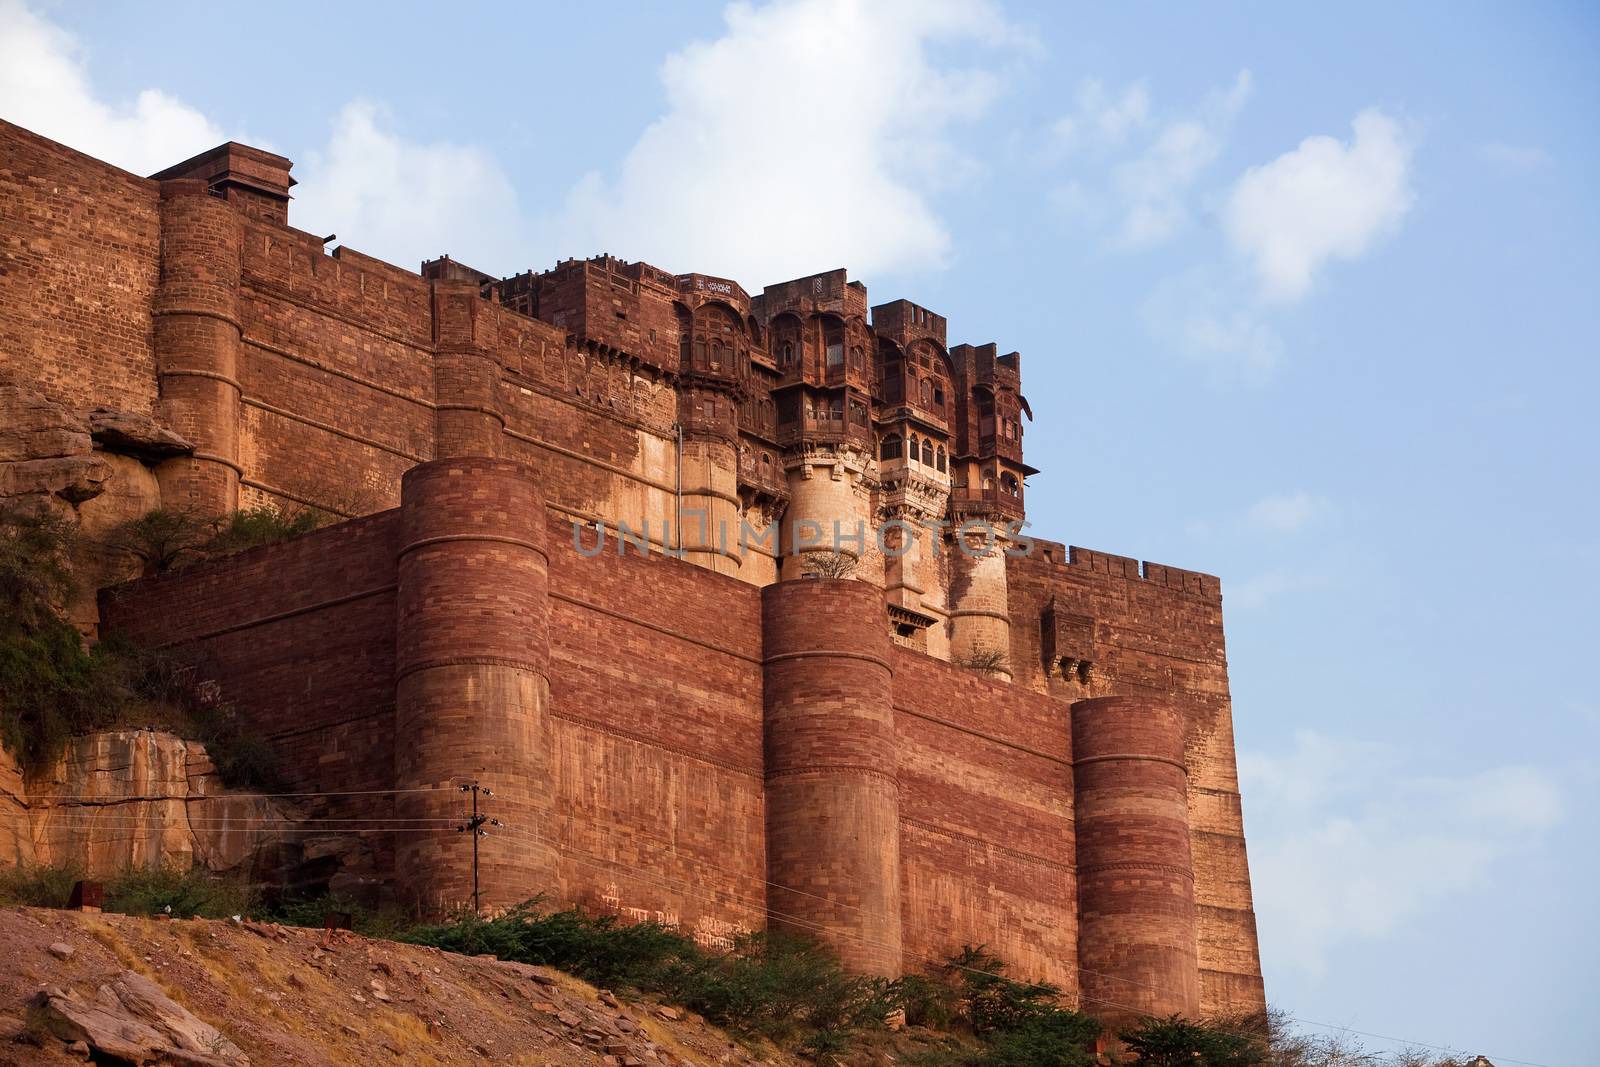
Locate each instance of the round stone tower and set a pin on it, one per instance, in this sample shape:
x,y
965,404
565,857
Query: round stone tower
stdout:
x,y
980,619
1136,911
833,805
472,678
197,345
466,374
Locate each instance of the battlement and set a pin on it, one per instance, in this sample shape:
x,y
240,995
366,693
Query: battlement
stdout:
x,y
258,182
1111,565
828,292
903,322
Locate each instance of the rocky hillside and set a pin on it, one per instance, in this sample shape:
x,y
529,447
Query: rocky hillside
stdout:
x,y
232,993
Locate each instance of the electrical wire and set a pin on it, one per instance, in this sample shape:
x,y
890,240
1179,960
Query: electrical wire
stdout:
x,y
83,817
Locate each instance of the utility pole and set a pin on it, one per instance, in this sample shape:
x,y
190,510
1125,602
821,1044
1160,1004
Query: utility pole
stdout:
x,y
474,825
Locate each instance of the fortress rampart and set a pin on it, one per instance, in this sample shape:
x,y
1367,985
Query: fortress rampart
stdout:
x,y
942,750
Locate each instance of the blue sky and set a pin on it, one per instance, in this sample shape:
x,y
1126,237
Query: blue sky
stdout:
x,y
1305,299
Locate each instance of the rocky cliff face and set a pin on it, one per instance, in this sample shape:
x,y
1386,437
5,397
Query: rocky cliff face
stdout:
x,y
94,468
136,798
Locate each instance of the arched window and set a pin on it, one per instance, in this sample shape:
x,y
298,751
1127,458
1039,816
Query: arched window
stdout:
x,y
911,448
988,484
927,392
833,336
941,460
927,452
716,355
786,354
891,447
1009,483
855,357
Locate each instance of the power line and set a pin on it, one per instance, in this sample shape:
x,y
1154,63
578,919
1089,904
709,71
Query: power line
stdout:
x,y
477,819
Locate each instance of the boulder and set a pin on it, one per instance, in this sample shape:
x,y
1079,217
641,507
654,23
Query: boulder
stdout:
x,y
71,478
131,1019
136,435
32,427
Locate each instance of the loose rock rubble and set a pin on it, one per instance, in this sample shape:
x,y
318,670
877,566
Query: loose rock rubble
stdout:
x,y
268,995
131,1019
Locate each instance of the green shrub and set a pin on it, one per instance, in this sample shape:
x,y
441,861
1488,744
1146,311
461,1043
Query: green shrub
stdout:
x,y
265,525
38,885
35,573
993,1002
189,892
926,1001
164,539
1050,1039
387,923
768,986
1174,1041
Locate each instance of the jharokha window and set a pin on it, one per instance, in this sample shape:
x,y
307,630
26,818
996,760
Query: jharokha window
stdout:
x,y
891,447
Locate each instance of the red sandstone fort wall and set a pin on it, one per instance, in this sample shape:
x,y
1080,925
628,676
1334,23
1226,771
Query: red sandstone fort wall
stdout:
x,y
79,260
335,372
300,635
986,840
656,706
1147,629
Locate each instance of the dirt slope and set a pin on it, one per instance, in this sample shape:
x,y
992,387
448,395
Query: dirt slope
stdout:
x,y
285,1001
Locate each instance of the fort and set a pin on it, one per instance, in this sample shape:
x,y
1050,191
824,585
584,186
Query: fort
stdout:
x,y
955,744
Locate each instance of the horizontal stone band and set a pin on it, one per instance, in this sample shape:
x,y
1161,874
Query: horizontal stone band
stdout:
x,y
472,661
831,653
443,539
1130,756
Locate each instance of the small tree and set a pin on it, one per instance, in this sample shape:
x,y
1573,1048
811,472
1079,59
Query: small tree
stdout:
x,y
35,572
985,660
829,565
264,525
1174,1041
164,539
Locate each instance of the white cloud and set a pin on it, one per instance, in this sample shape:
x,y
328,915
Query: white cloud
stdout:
x,y
1199,316
1103,118
1515,157
405,201
1144,196
1348,840
808,136
1324,200
385,195
1256,592
1154,187
1287,512
45,87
